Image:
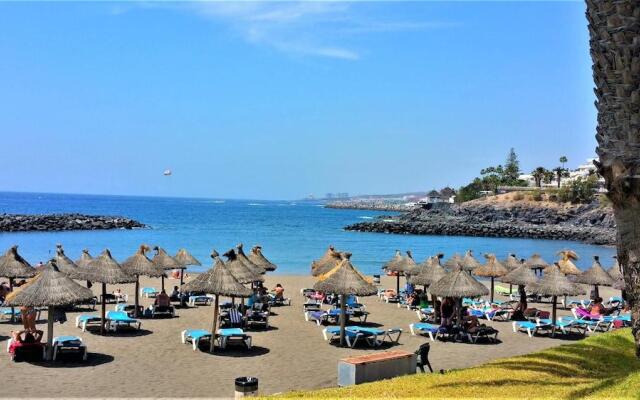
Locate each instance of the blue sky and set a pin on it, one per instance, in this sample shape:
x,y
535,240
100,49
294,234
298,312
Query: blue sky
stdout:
x,y
279,100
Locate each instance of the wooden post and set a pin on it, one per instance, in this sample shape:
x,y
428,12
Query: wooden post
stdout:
x,y
213,328
182,276
343,318
49,356
162,280
137,301
13,310
596,291
104,306
398,283
492,289
436,309
553,316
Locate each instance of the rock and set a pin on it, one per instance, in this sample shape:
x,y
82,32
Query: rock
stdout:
x,y
64,222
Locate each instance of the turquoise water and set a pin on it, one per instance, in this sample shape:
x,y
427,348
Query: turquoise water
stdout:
x,y
292,234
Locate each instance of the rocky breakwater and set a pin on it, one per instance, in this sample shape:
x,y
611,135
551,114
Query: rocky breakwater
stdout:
x,y
376,205
64,222
589,223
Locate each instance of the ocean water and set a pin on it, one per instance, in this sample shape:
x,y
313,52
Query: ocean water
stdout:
x,y
292,233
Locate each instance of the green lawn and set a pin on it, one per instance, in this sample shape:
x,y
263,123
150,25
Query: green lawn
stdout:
x,y
602,366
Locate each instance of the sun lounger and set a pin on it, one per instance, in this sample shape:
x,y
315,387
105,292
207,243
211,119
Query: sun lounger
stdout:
x,y
422,328
148,292
482,332
162,311
584,303
564,325
375,336
233,335
320,317
332,333
6,313
257,318
30,351
195,336
200,301
83,320
490,314
503,290
311,306
69,344
120,318
530,327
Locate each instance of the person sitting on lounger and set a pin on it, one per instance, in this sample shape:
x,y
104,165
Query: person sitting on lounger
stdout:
x,y
278,292
162,299
235,318
597,308
518,310
469,322
27,336
175,294
4,291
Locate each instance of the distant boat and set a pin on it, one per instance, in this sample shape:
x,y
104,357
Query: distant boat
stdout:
x,y
167,172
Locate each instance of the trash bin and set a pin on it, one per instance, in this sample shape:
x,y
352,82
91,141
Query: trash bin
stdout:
x,y
376,279
246,386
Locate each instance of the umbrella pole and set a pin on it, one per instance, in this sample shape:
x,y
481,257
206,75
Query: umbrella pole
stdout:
x,y
596,291
398,284
50,333
492,289
182,276
137,301
163,281
459,304
553,316
343,318
104,307
213,328
436,309
13,310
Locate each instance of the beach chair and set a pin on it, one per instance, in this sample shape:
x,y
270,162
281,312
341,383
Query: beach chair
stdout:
x,y
306,292
426,314
129,309
83,320
115,319
162,311
279,301
321,317
332,333
614,302
501,290
200,301
584,303
424,328
530,327
6,313
148,292
233,336
390,296
26,351
490,314
257,319
195,336
69,344
482,331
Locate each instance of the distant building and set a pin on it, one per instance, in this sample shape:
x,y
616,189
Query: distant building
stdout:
x,y
446,195
582,171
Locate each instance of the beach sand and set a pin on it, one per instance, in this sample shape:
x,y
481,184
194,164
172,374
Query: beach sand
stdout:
x,y
292,355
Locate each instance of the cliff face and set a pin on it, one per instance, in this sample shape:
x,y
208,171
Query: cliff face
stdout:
x,y
495,218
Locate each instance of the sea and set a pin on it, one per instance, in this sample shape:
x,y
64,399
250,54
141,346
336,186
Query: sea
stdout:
x,y
292,233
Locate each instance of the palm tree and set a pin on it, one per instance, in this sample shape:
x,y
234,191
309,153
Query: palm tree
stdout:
x,y
563,160
615,54
560,173
538,175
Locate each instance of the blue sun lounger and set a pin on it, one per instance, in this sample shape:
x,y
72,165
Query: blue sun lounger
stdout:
x,y
422,327
195,336
148,292
5,313
530,327
565,324
373,336
84,319
331,333
119,318
233,335
69,344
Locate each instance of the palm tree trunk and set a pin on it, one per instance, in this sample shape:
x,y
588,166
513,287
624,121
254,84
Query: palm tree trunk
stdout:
x,y
616,65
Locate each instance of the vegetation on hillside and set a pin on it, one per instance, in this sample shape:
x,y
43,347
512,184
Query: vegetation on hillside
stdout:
x,y
599,367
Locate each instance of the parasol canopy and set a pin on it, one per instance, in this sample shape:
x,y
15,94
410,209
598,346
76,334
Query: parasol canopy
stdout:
x,y
12,265
566,264
256,257
511,262
256,269
536,262
218,280
458,284
596,275
64,263
430,273
140,265
521,276
184,258
493,268
84,260
345,279
239,270
453,262
469,262
330,259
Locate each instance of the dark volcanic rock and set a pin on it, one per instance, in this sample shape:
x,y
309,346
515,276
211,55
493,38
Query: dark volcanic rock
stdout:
x,y
64,222
585,223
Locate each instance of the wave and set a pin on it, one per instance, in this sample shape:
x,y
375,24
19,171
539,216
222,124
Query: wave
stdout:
x,y
218,201
255,204
365,217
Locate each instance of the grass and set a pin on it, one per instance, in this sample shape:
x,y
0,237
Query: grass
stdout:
x,y
599,367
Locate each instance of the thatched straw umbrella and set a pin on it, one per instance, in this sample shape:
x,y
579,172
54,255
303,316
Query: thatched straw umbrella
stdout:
x,y
105,270
139,265
64,263
164,261
401,265
256,269
184,258
567,266
82,263
536,263
469,262
521,276
511,263
554,283
239,270
50,288
13,266
596,276
218,281
345,280
256,257
458,284
453,262
431,273
492,269
326,263
616,274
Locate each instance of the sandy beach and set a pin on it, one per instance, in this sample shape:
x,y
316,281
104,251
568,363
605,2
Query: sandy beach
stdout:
x,y
291,355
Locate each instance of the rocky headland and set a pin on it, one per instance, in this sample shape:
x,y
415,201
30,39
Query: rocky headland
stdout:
x,y
376,205
64,222
498,216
